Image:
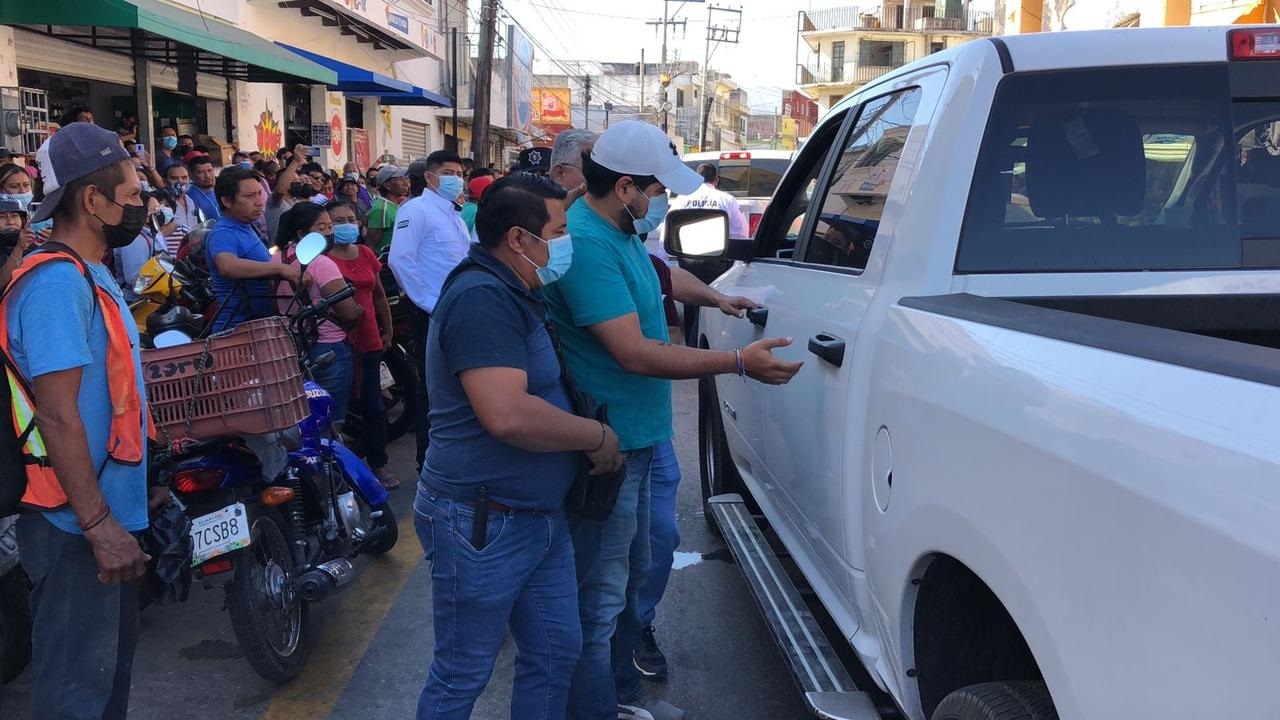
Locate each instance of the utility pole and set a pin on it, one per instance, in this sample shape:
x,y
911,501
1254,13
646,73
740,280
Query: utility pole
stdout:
x,y
642,82
586,103
484,81
608,108
727,32
665,71
453,82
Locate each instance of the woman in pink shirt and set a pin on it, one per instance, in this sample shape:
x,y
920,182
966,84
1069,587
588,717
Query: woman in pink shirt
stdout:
x,y
335,376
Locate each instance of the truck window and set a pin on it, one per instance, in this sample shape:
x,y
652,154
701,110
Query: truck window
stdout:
x,y
757,177
1153,168
853,201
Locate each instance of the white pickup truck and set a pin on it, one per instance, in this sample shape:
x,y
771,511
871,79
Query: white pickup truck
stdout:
x,y
1031,466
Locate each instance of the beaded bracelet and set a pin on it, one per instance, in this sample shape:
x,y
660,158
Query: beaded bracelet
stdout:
x,y
737,358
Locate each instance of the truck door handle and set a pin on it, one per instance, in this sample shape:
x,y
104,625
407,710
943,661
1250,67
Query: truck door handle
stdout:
x,y
758,315
827,347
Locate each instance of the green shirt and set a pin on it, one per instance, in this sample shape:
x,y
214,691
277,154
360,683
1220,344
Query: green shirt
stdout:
x,y
611,276
382,215
469,215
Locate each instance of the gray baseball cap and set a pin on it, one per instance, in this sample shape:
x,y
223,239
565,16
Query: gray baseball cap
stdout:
x,y
389,172
76,150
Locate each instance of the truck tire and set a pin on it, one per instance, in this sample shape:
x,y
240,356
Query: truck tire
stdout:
x,y
998,701
15,624
719,475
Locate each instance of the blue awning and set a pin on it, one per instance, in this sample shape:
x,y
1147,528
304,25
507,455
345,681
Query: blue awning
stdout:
x,y
354,80
416,96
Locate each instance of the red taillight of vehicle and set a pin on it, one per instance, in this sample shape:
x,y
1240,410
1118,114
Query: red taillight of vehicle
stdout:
x,y
753,222
216,566
735,156
194,481
1254,44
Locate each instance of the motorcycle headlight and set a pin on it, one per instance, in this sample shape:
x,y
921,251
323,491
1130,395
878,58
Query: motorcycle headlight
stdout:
x,y
141,283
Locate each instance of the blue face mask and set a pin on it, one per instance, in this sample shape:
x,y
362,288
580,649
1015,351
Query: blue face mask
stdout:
x,y
181,188
451,187
169,143
346,233
559,258
23,199
653,218
166,213
245,164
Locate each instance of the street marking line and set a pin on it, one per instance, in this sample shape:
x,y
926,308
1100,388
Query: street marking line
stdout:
x,y
348,632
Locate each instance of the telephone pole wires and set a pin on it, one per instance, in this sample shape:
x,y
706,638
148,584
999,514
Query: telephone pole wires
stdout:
x,y
665,70
725,28
484,81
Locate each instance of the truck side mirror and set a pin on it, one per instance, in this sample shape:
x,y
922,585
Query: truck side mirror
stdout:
x,y
697,233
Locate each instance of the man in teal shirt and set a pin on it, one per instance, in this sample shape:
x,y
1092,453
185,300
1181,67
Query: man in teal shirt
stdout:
x,y
608,312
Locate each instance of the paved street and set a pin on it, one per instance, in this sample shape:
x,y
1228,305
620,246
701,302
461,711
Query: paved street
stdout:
x,y
375,639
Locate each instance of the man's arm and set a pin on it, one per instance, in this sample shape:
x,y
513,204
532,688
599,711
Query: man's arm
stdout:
x,y
688,289
639,355
238,268
416,236
117,553
289,174
506,410
739,228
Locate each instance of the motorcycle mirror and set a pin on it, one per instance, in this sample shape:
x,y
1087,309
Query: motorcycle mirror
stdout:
x,y
165,264
170,338
310,247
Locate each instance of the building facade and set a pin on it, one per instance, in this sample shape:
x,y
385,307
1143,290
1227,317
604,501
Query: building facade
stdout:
x,y
841,49
366,80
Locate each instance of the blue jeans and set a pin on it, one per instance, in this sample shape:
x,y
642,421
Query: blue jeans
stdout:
x,y
335,376
522,578
373,417
612,559
84,633
664,536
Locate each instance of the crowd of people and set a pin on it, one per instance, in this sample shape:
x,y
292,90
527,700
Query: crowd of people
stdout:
x,y
531,289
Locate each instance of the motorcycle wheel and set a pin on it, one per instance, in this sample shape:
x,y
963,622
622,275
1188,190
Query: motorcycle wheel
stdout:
x,y
15,624
269,619
383,533
397,400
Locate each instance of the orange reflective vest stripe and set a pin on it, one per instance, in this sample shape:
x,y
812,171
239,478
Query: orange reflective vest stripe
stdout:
x,y
125,440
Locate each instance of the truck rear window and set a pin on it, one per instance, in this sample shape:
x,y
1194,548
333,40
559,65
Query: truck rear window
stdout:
x,y
757,177
1153,168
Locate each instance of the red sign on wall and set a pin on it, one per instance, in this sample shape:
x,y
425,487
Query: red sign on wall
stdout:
x,y
360,148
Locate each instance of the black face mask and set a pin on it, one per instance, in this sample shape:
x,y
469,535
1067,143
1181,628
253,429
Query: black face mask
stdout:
x,y
302,190
126,231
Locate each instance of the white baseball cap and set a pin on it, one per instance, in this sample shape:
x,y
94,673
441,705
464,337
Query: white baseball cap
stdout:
x,y
632,147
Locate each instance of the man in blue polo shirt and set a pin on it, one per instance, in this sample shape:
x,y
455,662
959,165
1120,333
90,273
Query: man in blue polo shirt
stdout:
x,y
608,312
489,510
239,263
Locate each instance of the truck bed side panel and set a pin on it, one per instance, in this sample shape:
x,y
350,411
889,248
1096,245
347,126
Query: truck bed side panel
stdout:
x,y
1137,500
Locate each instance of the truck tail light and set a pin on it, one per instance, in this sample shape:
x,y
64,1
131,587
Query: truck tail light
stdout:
x,y
1254,44
735,156
753,222
197,480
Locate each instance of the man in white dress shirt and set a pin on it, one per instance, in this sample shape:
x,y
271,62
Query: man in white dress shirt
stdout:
x,y
429,239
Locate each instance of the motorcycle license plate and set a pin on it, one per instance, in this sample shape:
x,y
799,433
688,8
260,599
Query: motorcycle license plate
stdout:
x,y
219,533
384,376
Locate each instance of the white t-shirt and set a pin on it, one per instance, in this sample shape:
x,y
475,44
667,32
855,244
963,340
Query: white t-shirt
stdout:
x,y
709,198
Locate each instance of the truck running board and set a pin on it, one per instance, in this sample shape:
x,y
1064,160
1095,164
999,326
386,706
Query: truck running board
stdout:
x,y
828,690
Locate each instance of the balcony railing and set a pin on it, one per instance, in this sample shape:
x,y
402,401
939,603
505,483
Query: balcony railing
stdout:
x,y
916,18
849,72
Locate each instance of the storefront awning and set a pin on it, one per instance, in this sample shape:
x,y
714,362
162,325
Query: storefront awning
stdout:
x,y
349,23
415,96
353,80
167,35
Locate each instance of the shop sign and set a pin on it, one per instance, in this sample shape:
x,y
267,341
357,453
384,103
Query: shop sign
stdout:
x,y
360,148
398,21
335,135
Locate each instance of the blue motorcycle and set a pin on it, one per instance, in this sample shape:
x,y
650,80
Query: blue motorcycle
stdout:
x,y
278,542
